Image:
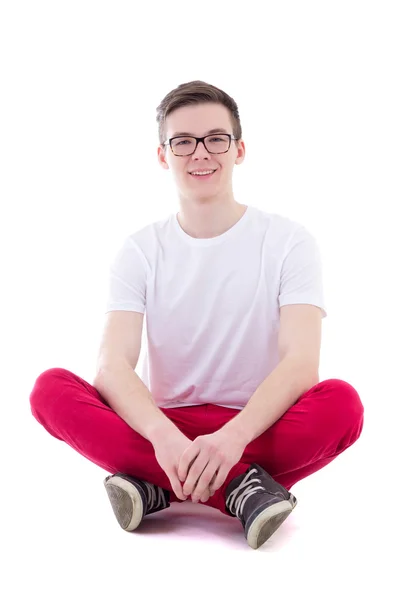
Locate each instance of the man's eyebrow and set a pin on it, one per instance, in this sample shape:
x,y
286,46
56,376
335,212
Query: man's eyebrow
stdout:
x,y
216,130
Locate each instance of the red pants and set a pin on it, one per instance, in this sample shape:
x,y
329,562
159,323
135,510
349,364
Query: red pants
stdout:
x,y
318,427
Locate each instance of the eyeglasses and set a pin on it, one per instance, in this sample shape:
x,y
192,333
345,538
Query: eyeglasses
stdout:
x,y
215,144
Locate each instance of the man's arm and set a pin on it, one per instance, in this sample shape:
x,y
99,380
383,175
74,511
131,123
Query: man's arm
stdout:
x,y
131,399
296,373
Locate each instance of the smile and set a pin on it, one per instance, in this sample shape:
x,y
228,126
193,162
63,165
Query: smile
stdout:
x,y
208,176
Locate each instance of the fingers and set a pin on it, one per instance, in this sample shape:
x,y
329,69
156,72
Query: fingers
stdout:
x,y
177,487
206,496
202,486
183,472
220,478
197,470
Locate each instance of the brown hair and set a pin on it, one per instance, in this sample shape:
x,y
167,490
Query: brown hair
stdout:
x,y
196,92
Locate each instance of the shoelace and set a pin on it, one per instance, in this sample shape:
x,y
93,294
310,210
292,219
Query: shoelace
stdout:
x,y
152,500
235,501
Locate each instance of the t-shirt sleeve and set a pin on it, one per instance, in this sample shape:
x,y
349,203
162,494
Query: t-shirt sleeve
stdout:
x,y
301,280
127,279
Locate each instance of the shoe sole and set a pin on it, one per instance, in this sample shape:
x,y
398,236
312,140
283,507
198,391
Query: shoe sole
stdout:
x,y
267,523
126,502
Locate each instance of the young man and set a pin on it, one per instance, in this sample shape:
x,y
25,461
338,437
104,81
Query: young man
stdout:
x,y
229,409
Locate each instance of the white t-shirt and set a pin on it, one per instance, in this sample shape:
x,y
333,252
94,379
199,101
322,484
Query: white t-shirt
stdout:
x,y
212,305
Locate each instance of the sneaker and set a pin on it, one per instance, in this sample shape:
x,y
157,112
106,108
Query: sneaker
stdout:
x,y
132,499
259,502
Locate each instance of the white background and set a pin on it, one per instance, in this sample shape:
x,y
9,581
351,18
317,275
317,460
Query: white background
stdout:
x,y
317,85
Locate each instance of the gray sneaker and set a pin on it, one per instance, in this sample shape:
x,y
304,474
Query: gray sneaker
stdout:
x,y
132,499
259,502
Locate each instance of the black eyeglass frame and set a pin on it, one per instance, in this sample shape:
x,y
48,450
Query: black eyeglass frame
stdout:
x,y
200,139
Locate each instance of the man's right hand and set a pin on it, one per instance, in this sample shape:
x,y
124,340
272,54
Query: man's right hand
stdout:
x,y
169,445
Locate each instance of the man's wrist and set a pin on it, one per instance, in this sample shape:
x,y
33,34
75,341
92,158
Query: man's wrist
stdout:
x,y
161,429
235,428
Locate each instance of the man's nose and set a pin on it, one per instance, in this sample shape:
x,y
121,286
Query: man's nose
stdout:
x,y
201,150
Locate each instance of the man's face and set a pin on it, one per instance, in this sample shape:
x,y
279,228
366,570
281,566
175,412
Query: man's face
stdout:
x,y
198,120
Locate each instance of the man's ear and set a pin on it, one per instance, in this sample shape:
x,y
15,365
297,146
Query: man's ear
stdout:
x,y
241,149
162,157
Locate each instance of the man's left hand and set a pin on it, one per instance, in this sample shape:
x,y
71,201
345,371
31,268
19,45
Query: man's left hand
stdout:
x,y
208,460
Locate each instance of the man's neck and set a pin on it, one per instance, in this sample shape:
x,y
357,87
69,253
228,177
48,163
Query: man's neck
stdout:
x,y
212,220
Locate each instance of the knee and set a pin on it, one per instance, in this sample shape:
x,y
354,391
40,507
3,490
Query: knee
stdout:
x,y
346,404
45,388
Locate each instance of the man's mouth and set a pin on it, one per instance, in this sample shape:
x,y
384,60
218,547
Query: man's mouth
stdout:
x,y
203,174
